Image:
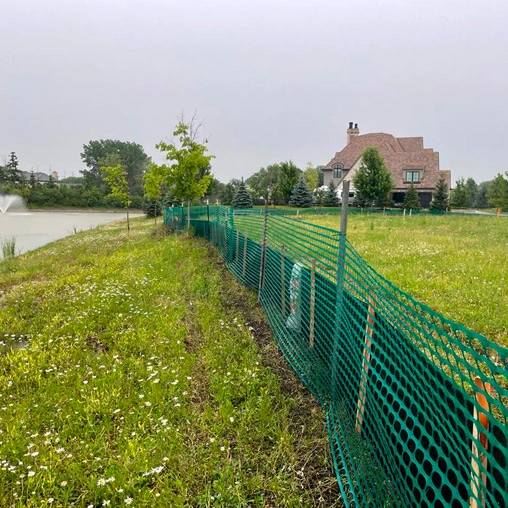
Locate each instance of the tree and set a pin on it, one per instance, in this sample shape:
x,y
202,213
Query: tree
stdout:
x,y
33,181
227,194
301,197
311,176
482,199
373,182
288,178
458,196
471,193
11,173
51,183
132,157
188,174
154,182
242,197
440,197
116,178
498,192
321,176
411,200
262,182
331,198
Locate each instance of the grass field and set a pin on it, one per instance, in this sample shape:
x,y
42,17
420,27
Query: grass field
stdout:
x,y
457,265
128,378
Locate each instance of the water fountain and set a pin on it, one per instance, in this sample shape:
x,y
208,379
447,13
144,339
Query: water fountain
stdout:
x,y
11,202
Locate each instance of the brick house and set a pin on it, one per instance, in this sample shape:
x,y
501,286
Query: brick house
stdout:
x,y
406,159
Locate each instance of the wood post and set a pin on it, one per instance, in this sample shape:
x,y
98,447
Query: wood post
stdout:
x,y
479,481
312,302
404,213
362,393
244,254
283,280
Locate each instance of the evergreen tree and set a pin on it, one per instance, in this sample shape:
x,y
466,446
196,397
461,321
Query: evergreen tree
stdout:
x,y
331,198
373,182
482,199
458,196
242,197
33,181
301,197
440,197
411,200
11,171
471,192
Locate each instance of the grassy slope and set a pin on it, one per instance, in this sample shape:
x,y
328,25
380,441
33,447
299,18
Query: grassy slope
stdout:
x,y
141,382
457,265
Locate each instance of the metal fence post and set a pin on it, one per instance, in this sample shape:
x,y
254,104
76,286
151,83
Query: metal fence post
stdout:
x,y
263,252
341,266
208,219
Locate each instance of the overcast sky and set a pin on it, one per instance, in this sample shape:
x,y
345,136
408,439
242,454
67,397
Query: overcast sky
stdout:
x,y
274,80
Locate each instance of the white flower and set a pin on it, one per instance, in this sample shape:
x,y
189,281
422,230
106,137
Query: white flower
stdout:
x,y
101,482
231,419
31,473
50,500
128,500
63,484
106,502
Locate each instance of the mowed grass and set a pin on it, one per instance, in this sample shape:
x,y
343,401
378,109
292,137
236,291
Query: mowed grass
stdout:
x,y
129,377
458,265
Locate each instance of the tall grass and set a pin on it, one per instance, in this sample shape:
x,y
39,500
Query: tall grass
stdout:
x,y
9,247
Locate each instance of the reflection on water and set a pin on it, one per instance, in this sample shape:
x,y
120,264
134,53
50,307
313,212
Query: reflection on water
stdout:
x,y
35,229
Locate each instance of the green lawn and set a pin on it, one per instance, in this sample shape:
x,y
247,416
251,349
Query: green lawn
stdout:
x,y
457,265
127,377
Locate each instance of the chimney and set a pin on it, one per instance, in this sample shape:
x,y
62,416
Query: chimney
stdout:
x,y
352,132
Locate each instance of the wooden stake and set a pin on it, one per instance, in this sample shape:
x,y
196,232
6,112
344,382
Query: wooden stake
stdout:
x,y
404,214
244,254
479,482
283,280
312,302
362,394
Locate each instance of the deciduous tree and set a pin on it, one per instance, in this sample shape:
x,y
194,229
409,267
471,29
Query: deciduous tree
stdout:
x,y
116,178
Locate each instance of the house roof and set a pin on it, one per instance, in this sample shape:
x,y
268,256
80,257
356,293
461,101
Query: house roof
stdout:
x,y
386,143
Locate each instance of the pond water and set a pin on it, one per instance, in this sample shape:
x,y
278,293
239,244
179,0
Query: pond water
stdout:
x,y
35,229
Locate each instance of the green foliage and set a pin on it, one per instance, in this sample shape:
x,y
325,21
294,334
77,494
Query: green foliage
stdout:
x,y
471,193
242,197
9,247
263,181
227,194
440,197
458,196
116,178
331,198
10,173
188,174
373,182
152,208
411,200
482,199
301,196
288,178
311,176
498,192
131,155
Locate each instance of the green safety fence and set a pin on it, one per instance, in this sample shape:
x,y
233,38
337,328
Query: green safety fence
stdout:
x,y
416,404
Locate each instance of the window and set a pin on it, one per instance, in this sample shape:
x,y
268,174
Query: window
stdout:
x,y
337,170
412,176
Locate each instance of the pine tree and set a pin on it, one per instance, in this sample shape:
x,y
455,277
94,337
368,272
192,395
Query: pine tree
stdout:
x,y
301,197
242,198
331,198
411,200
373,182
482,199
458,196
440,198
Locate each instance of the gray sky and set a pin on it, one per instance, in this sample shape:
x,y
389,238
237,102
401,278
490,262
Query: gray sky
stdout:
x,y
274,80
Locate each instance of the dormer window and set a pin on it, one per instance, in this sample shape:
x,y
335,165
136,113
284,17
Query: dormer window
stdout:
x,y
412,176
337,170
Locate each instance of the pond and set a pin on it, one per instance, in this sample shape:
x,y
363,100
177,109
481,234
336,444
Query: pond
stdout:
x,y
35,229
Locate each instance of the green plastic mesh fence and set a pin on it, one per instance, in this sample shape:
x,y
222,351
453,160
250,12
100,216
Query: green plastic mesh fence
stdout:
x,y
416,404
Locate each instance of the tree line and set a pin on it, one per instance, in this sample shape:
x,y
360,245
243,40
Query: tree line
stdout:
x,y
121,174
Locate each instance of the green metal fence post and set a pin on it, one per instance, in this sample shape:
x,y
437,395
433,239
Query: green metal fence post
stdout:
x,y
208,219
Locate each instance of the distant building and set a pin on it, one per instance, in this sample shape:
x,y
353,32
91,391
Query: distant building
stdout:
x,y
39,177
406,159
